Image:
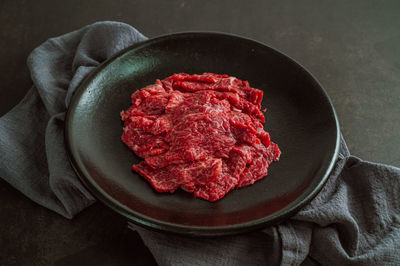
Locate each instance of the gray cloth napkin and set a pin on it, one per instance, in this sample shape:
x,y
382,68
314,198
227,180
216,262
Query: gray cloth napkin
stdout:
x,y
354,220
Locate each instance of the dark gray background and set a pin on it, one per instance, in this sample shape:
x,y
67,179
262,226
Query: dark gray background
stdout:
x,y
352,48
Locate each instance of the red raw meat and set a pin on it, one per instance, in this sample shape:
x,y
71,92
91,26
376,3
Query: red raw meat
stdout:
x,y
202,133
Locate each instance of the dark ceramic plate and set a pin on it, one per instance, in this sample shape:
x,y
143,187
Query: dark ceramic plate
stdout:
x,y
300,118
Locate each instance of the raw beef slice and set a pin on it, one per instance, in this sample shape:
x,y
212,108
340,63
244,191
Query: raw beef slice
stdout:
x,y
201,133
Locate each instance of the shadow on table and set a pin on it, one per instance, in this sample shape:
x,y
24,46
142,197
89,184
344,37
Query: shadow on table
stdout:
x,y
119,254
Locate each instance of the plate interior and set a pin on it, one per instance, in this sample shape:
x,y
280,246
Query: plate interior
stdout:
x,y
300,119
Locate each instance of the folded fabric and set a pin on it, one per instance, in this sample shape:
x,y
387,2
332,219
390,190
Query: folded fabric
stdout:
x,y
354,220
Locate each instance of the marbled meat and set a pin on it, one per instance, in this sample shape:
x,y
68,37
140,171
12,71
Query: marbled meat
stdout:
x,y
201,133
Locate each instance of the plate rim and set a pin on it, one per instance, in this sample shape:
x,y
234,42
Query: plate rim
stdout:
x,y
194,231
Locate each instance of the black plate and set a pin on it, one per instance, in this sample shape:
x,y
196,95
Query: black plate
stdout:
x,y
300,118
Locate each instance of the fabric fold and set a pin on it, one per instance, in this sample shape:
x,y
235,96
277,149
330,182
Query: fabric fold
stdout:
x,y
33,158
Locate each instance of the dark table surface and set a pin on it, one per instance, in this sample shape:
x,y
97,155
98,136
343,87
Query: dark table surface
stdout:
x,y
352,47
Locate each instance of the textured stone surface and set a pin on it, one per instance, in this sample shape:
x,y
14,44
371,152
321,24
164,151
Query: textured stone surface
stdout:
x,y
351,47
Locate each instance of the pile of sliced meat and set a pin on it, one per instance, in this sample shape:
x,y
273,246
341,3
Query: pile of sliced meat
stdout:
x,y
201,133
